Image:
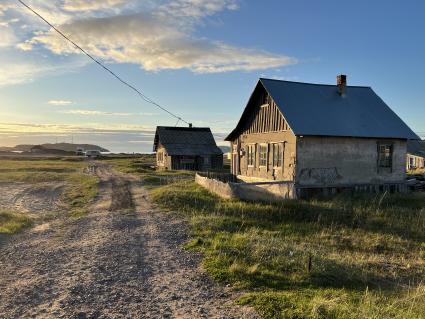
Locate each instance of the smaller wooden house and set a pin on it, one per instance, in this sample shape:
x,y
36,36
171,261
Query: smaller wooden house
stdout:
x,y
415,155
187,148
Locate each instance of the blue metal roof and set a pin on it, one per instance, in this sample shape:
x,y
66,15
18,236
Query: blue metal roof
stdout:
x,y
317,109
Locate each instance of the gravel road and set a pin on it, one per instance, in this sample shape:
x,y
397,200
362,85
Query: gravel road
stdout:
x,y
124,260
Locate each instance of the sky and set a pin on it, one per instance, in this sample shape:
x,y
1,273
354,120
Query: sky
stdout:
x,y
200,59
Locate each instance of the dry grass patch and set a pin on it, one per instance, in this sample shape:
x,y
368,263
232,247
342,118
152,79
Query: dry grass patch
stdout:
x,y
11,222
78,190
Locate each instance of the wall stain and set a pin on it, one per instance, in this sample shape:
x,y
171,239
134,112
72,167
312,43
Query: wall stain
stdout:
x,y
321,176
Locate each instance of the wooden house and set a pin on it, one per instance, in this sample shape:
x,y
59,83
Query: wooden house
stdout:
x,y
187,148
320,136
415,155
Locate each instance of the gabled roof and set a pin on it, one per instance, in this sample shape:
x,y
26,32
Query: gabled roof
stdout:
x,y
416,148
188,141
318,109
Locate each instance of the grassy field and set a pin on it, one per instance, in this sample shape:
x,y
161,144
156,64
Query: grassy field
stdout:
x,y
79,190
142,167
345,257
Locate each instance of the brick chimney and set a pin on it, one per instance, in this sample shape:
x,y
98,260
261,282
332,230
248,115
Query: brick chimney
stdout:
x,y
341,82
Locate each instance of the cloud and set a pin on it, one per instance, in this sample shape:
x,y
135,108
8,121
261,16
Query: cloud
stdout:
x,y
194,10
157,35
7,36
18,71
156,45
59,102
92,112
94,128
7,23
93,5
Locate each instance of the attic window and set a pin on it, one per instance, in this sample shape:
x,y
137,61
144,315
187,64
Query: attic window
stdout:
x,y
385,155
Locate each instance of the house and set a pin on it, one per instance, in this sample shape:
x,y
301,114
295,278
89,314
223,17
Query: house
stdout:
x,y
327,137
188,148
415,155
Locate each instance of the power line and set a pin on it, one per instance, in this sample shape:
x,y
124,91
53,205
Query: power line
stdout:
x,y
143,96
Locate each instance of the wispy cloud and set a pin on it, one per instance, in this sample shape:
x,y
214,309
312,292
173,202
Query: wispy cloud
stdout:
x,y
96,113
18,71
60,102
95,128
92,5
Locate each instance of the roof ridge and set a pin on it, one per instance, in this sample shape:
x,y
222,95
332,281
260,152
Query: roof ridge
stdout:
x,y
184,128
318,84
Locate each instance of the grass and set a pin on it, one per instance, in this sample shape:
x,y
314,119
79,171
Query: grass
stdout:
x,y
418,171
79,189
142,166
11,222
345,257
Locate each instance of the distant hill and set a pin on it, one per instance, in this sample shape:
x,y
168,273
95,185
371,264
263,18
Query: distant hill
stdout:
x,y
66,147
225,149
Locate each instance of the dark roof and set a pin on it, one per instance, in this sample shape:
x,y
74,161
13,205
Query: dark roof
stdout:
x,y
416,148
189,141
318,109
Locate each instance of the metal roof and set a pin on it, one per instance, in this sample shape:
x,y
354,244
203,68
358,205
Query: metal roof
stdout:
x,y
188,141
318,109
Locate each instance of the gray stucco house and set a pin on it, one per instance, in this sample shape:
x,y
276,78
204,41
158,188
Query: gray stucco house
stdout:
x,y
186,148
320,137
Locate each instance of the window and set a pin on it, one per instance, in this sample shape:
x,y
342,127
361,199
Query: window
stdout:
x,y
263,155
412,162
385,155
251,155
277,150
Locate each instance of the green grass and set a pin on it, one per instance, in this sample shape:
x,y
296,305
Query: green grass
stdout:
x,y
80,188
359,256
142,166
353,245
78,194
11,222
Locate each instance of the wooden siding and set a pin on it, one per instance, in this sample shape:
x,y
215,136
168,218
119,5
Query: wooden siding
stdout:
x,y
197,163
264,125
265,118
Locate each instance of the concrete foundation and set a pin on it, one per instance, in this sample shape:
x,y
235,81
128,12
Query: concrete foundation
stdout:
x,y
253,191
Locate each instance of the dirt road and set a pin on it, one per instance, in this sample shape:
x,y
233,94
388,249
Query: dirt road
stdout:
x,y
124,260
